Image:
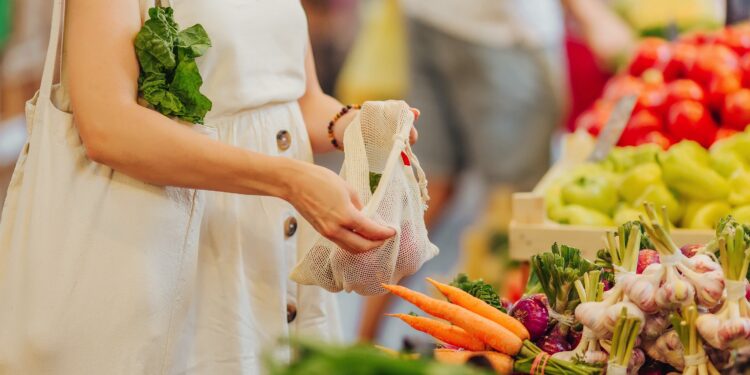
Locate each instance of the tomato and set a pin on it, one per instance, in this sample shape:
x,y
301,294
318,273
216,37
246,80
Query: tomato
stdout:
x,y
683,89
622,85
737,39
651,98
651,52
593,119
688,119
680,62
745,69
735,113
712,59
725,133
641,123
656,137
720,85
697,38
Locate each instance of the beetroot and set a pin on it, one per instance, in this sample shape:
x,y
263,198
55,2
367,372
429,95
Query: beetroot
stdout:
x,y
533,314
690,250
646,257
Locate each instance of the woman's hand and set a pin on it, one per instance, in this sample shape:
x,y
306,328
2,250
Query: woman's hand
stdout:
x,y
333,209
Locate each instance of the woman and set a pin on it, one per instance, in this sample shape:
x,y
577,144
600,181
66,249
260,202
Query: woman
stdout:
x,y
269,115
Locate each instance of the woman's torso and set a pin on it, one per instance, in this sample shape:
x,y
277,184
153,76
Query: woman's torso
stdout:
x,y
257,52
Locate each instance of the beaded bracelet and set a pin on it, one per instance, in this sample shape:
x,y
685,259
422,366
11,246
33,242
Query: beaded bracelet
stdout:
x,y
339,115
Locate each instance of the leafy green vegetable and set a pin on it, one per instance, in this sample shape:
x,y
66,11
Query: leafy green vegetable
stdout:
x,y
374,181
169,79
478,288
557,271
314,358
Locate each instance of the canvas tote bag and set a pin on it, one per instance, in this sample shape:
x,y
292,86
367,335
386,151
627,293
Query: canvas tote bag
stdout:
x,y
96,268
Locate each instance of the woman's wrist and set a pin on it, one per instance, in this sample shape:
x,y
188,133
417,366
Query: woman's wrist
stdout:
x,y
341,125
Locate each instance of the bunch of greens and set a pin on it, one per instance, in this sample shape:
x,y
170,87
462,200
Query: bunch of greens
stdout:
x,y
169,79
556,272
478,288
314,358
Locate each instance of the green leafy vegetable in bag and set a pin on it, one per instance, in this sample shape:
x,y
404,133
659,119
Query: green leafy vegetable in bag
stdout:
x,y
169,78
374,181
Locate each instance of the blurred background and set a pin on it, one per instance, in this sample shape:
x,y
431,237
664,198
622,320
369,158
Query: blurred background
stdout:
x,y
497,82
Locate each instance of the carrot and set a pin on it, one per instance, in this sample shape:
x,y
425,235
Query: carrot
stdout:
x,y
501,363
476,305
491,333
442,331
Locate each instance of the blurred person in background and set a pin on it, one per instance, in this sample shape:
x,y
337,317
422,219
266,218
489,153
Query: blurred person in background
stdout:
x,y
490,78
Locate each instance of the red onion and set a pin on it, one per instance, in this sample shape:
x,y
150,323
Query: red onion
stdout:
x,y
554,343
533,315
690,250
646,257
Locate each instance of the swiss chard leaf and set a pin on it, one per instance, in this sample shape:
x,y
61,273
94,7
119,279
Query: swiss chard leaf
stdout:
x,y
169,78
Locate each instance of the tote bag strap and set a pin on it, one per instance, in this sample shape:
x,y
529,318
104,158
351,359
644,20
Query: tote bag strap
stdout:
x,y
55,43
48,74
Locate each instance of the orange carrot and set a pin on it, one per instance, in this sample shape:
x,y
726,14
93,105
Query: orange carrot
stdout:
x,y
442,331
476,305
501,363
491,333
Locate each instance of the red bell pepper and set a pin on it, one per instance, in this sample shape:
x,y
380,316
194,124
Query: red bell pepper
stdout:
x,y
735,113
651,52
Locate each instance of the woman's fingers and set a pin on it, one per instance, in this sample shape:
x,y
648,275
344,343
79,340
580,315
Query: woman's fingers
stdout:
x,y
353,242
416,113
414,135
368,228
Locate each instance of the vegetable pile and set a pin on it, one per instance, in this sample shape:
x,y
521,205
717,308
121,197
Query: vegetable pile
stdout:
x,y
696,88
169,79
643,306
483,327
697,186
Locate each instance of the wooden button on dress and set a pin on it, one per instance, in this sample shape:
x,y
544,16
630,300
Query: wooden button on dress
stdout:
x,y
291,312
290,226
283,140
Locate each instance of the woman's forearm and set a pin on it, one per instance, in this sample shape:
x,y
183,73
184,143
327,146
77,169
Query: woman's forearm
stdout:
x,y
164,152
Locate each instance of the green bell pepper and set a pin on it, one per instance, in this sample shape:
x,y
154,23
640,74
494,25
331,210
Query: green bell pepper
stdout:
x,y
739,189
727,163
660,195
597,192
687,171
622,159
742,214
705,215
579,215
636,180
626,213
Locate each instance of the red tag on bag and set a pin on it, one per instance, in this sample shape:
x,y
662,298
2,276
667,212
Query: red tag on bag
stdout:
x,y
405,159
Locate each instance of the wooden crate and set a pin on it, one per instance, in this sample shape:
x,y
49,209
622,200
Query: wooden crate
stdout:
x,y
531,232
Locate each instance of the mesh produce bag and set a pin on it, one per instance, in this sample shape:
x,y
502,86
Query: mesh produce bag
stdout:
x,y
376,145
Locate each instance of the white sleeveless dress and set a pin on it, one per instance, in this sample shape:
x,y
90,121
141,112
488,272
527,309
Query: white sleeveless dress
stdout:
x,y
244,301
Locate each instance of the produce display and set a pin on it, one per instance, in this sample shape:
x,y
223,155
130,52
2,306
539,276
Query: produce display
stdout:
x,y
643,306
696,88
697,186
